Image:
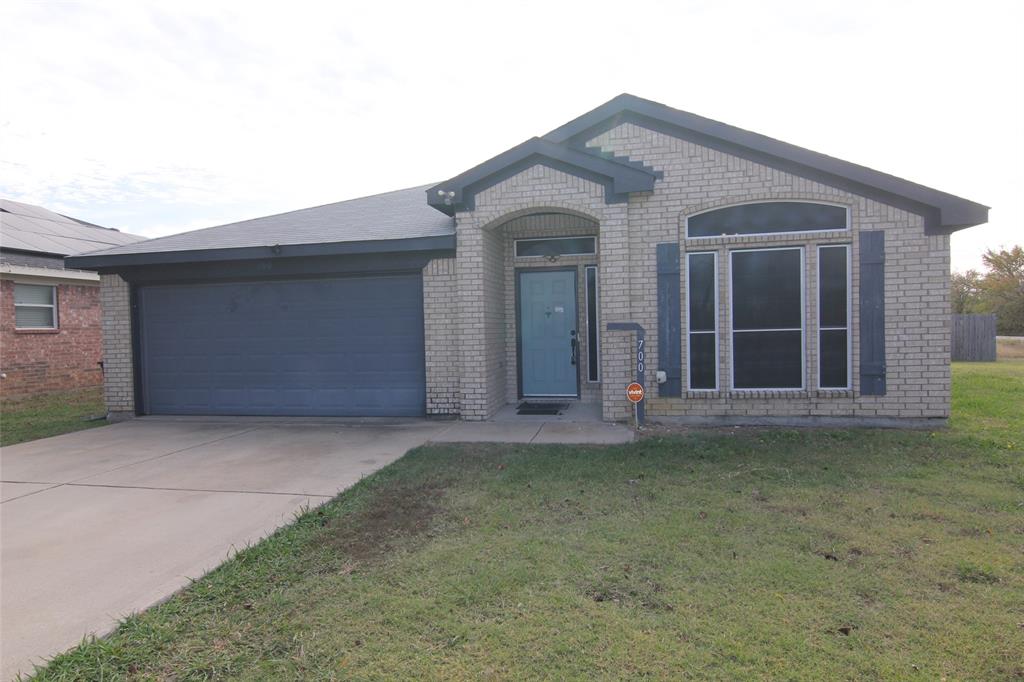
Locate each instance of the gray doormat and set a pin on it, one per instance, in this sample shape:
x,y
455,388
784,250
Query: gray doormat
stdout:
x,y
532,409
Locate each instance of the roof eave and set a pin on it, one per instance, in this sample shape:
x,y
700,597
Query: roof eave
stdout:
x,y
943,213
33,252
113,261
619,179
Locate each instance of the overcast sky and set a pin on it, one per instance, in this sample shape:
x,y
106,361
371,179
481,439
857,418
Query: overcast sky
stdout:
x,y
157,118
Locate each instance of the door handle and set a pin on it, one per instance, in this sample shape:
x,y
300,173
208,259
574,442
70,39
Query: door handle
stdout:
x,y
572,347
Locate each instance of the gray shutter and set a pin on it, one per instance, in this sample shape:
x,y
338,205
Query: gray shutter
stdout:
x,y
872,312
669,332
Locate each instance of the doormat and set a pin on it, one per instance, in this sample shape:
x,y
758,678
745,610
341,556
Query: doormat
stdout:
x,y
541,408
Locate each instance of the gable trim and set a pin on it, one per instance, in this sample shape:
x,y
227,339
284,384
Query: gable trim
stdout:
x,y
618,179
943,213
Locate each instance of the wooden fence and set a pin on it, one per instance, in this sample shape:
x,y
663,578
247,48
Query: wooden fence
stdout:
x,y
974,338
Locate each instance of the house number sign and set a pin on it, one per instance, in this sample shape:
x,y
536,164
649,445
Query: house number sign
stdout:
x,y
636,397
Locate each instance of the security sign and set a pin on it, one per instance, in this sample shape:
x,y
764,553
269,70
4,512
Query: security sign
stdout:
x,y
635,392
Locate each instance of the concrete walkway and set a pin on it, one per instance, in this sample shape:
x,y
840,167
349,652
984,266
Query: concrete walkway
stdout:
x,y
97,524
532,430
578,423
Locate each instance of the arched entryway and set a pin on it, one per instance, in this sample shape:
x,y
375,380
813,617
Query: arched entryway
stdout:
x,y
550,279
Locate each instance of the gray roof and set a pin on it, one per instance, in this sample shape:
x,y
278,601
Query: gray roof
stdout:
x,y
25,227
943,213
402,214
406,220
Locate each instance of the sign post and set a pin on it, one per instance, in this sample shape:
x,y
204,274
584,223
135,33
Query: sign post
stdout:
x,y
635,395
638,405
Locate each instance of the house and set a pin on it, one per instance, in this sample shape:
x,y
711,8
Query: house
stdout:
x,y
49,316
743,277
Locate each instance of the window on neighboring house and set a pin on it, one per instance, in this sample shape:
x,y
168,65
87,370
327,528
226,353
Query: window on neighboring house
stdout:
x,y
834,317
768,217
35,306
593,328
767,318
556,246
702,320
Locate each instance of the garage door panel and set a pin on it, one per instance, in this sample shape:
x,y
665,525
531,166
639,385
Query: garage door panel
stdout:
x,y
348,347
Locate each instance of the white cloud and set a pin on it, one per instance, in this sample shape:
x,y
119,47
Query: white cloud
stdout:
x,y
159,117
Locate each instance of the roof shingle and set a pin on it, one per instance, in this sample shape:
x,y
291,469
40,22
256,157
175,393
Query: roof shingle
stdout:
x,y
33,228
402,214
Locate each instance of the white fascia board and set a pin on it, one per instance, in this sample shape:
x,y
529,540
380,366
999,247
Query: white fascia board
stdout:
x,y
26,273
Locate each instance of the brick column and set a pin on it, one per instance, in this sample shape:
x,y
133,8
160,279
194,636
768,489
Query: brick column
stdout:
x,y
118,370
441,336
616,347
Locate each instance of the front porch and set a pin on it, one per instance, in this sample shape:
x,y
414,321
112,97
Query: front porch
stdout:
x,y
539,310
579,423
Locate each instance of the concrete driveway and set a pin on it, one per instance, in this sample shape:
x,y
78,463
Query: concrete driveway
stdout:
x,y
97,524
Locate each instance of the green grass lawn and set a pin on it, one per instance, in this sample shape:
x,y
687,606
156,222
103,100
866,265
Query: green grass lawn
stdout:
x,y
724,554
50,415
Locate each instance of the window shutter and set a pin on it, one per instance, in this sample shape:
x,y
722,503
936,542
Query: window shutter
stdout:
x,y
872,312
669,332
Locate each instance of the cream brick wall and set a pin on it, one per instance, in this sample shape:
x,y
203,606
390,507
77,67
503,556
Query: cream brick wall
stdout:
x,y
440,336
118,373
697,178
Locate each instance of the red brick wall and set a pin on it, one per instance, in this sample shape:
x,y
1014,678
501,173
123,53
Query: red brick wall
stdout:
x,y
46,361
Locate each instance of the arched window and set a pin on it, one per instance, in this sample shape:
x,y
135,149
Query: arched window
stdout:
x,y
767,217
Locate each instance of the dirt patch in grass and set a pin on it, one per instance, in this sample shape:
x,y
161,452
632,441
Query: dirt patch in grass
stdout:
x,y
1010,349
788,509
627,590
396,514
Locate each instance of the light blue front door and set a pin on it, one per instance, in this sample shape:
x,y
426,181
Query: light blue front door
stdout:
x,y
547,333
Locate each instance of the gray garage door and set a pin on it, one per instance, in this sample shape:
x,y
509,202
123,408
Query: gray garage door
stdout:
x,y
348,347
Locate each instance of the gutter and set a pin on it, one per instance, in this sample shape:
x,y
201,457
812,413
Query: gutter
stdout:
x,y
26,272
107,260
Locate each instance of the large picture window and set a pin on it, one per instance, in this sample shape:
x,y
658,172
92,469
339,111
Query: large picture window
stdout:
x,y
702,320
834,317
767,217
35,306
767,318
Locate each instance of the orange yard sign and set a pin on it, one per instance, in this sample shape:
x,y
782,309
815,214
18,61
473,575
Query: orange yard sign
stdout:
x,y
635,392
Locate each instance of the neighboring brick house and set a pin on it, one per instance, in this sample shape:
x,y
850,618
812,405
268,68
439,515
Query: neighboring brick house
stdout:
x,y
769,282
49,317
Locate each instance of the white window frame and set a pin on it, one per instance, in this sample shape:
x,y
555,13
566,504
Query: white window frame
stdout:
x,y
53,305
718,356
596,350
764,234
592,238
803,324
849,318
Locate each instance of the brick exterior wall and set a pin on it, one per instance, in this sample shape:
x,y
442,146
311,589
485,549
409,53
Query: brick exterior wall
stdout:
x,y
119,377
45,361
440,335
697,178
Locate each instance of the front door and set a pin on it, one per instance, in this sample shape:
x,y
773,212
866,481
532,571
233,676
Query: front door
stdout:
x,y
548,345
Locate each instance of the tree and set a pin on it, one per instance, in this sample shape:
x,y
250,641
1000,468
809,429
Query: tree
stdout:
x,y
966,291
1000,290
